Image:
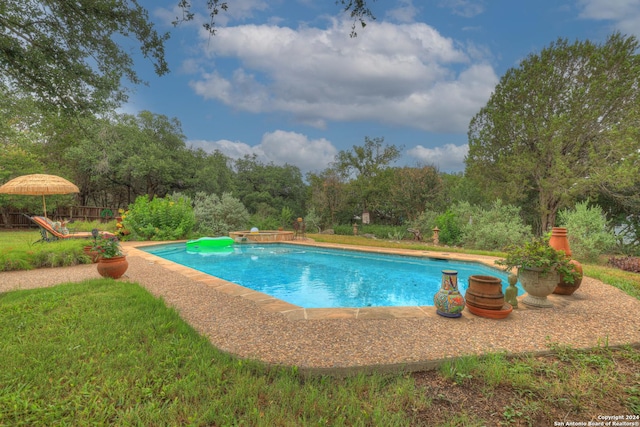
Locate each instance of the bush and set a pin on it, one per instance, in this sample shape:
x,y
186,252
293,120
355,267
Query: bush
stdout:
x,y
169,218
425,222
262,222
217,216
450,228
312,219
587,231
496,228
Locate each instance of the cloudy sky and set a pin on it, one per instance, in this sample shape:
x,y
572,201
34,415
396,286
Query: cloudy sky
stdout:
x,y
284,80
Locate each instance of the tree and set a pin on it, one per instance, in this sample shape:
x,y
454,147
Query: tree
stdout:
x,y
413,190
266,188
364,166
65,53
211,172
564,124
327,195
128,156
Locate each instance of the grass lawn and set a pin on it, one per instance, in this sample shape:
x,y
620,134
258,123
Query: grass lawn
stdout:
x,y
104,352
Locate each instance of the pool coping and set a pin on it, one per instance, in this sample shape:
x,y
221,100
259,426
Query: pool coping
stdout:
x,y
296,313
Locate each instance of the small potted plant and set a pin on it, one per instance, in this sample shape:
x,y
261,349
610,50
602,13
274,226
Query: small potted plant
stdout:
x,y
112,262
88,249
539,268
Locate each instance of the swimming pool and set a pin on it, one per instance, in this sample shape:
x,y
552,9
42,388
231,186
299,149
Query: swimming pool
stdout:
x,y
314,277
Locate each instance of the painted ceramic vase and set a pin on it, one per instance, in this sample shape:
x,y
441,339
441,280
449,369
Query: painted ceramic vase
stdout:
x,y
448,301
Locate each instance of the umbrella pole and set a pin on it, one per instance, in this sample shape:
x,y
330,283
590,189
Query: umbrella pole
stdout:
x,y
44,204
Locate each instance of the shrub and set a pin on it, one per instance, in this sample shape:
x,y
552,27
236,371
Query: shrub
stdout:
x,y
425,222
496,228
262,222
216,216
286,217
450,228
168,218
587,231
312,219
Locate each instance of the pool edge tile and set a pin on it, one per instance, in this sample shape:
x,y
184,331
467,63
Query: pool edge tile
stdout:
x,y
295,313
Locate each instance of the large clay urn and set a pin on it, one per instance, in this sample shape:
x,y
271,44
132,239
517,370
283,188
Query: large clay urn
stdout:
x,y
568,288
113,267
539,286
560,242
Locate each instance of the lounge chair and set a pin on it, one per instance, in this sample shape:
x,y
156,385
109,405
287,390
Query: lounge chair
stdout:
x,y
50,231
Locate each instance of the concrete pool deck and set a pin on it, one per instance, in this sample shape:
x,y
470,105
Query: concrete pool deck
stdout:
x,y
253,325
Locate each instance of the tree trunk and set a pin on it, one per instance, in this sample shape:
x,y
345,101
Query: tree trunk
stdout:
x,y
548,210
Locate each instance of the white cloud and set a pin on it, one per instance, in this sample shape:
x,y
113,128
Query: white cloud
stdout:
x,y
402,75
448,157
280,147
624,14
465,8
404,13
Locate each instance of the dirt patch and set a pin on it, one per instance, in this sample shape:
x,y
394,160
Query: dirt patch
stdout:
x,y
561,392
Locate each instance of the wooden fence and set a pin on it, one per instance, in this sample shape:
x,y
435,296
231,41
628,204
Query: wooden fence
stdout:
x,y
16,219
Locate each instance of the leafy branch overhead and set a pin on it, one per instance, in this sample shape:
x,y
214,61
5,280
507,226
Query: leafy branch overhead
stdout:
x,y
64,53
358,10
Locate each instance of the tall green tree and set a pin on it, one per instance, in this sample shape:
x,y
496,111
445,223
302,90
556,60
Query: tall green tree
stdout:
x,y
413,190
326,195
363,166
563,124
67,54
267,188
128,156
211,173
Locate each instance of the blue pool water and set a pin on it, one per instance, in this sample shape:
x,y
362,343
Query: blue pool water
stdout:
x,y
313,277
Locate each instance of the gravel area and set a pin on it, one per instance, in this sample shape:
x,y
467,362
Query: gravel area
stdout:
x,y
597,314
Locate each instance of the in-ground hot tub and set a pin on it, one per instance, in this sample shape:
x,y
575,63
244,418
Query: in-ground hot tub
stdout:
x,y
261,236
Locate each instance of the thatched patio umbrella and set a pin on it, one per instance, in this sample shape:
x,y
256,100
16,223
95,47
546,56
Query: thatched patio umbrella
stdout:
x,y
39,185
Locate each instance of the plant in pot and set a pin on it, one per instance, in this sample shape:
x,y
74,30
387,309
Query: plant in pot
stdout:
x,y
112,262
540,267
88,249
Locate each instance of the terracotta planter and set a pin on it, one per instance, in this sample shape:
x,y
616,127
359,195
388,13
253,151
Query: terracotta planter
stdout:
x,y
568,288
88,250
538,286
491,314
559,240
113,267
485,292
